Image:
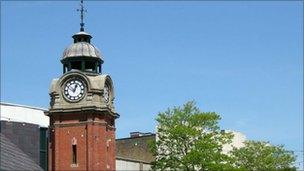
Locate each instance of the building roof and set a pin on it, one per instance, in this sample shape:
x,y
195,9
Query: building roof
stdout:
x,y
12,158
81,49
22,113
24,106
82,33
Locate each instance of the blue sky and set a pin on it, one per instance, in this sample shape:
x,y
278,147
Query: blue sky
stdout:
x,y
243,60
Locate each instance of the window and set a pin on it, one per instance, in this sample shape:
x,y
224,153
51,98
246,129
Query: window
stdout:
x,y
76,65
90,66
74,154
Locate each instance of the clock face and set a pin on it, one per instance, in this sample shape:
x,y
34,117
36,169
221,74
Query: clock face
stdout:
x,y
106,93
74,89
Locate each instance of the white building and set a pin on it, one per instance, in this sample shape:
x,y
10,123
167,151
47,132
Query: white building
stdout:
x,y
22,113
237,142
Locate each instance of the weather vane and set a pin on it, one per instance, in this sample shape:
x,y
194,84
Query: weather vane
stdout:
x,y
82,10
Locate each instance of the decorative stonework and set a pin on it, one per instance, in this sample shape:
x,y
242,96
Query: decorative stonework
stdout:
x,y
93,98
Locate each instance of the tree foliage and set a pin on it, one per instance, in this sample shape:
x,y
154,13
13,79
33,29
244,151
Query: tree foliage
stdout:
x,y
189,139
262,156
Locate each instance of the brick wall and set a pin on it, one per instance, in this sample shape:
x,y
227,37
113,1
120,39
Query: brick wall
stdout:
x,y
93,136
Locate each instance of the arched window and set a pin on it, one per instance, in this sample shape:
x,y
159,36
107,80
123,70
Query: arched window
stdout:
x,y
74,154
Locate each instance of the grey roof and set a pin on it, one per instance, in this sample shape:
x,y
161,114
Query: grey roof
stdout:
x,y
12,158
81,49
83,33
25,106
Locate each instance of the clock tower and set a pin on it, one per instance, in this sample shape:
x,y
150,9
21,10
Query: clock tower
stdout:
x,y
82,114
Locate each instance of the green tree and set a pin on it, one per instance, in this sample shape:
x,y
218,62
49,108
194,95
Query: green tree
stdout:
x,y
188,139
262,156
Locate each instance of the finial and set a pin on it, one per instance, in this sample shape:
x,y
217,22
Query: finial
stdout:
x,y
82,10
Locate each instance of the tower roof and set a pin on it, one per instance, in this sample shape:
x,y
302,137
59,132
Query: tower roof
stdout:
x,y
81,49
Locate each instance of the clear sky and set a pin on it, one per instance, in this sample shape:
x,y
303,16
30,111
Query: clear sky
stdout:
x,y
241,59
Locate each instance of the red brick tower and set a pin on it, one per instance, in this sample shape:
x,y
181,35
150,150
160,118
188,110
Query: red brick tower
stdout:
x,y
82,114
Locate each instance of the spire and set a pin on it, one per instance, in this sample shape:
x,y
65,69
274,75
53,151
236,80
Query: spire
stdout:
x,y
82,10
82,36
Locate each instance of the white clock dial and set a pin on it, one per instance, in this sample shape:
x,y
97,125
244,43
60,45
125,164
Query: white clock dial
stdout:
x,y
106,93
74,89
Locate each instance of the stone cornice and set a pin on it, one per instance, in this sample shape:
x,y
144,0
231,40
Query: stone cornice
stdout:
x,y
94,109
82,123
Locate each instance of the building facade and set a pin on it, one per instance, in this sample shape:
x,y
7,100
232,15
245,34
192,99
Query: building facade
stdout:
x,y
24,136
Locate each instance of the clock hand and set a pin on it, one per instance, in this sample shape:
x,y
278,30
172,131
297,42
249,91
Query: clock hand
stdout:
x,y
75,88
70,88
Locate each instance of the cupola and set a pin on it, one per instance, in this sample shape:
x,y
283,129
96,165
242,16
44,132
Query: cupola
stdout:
x,y
82,55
